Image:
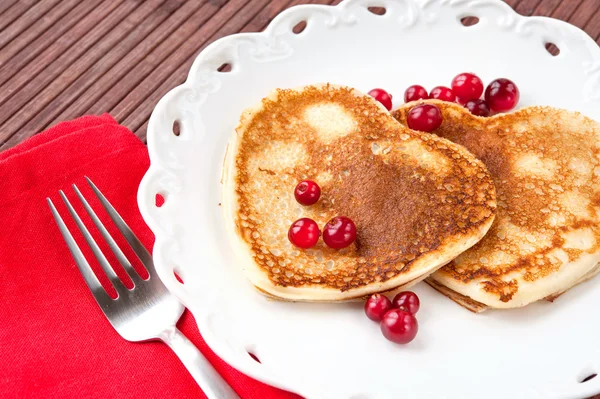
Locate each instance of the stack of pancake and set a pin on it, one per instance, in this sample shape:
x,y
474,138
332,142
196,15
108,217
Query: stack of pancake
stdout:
x,y
493,212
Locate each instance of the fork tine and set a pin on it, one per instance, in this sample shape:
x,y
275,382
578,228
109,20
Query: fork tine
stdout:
x,y
109,239
131,238
112,276
82,264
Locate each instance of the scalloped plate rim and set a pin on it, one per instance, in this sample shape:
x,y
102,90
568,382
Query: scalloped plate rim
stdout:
x,y
214,343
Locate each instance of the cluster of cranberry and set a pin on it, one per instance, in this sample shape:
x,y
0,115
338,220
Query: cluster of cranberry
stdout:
x,y
396,318
304,233
501,95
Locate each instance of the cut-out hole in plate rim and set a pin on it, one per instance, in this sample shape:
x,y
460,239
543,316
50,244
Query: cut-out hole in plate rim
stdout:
x,y
176,128
159,200
469,20
253,356
225,67
589,377
552,49
377,10
178,277
299,27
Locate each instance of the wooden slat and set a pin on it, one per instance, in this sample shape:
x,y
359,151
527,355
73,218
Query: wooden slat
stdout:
x,y
52,43
31,76
262,19
104,94
526,7
35,13
15,11
566,9
584,12
12,45
116,63
71,65
593,26
5,5
512,3
547,7
137,121
90,66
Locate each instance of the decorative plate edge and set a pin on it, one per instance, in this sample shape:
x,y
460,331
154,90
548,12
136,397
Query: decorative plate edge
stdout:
x,y
203,79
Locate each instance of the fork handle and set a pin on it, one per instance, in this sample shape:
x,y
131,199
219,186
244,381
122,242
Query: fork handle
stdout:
x,y
211,382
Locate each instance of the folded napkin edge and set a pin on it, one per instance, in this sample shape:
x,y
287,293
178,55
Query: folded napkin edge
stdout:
x,y
72,172
48,135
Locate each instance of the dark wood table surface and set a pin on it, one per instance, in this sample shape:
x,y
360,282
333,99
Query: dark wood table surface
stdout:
x,y
60,59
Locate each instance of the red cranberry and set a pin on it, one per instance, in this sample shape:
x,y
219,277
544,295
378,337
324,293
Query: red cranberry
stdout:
x,y
478,107
442,93
502,95
376,306
414,93
383,97
307,192
339,232
304,233
467,86
424,117
399,326
408,301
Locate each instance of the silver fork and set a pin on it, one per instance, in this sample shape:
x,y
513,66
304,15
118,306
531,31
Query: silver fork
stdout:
x,y
146,312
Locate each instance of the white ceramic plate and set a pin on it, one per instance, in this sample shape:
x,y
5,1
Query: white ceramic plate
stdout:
x,y
333,351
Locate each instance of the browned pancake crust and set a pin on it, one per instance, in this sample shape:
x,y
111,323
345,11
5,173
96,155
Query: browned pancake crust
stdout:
x,y
402,210
525,204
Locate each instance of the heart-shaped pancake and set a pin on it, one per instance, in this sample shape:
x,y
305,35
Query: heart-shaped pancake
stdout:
x,y
546,236
417,200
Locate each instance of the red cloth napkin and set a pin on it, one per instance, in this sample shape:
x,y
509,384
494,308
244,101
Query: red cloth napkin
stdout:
x,y
54,340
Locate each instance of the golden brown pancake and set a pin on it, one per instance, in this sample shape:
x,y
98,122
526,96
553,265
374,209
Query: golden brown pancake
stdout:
x,y
417,200
546,236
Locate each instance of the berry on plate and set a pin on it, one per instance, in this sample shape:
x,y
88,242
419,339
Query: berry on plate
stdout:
x,y
414,93
407,300
339,232
442,93
502,95
304,233
424,117
467,86
478,107
307,192
376,306
399,326
383,97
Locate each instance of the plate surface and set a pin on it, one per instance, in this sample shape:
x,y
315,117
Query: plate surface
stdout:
x,y
332,351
